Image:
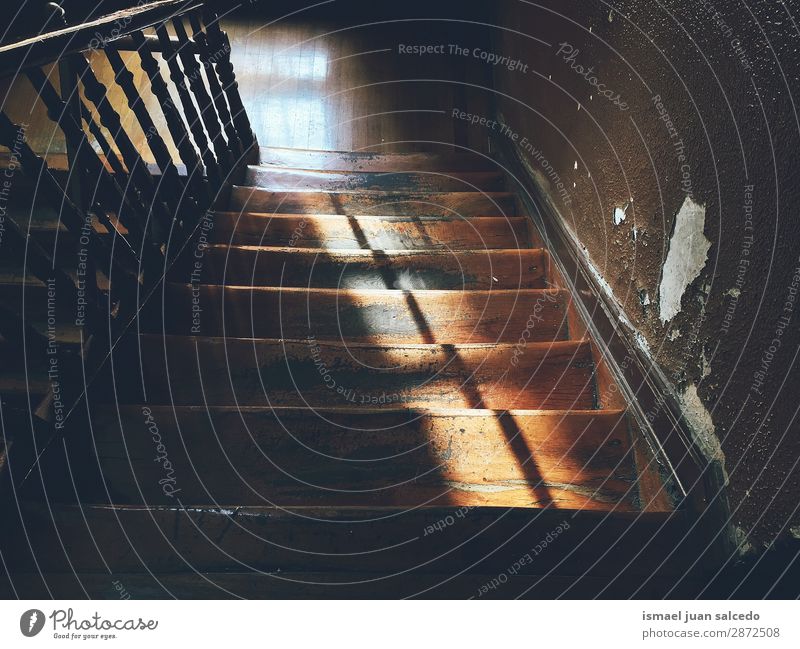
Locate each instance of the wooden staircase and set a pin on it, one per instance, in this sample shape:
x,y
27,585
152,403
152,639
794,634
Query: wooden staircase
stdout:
x,y
367,378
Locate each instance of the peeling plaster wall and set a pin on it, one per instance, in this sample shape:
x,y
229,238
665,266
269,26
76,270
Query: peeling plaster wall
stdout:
x,y
687,253
698,119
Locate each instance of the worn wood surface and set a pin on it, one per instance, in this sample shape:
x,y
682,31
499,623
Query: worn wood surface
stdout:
x,y
375,160
342,585
370,232
357,203
362,269
357,541
431,181
403,457
378,316
222,371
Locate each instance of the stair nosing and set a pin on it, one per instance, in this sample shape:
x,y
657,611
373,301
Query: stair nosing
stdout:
x,y
384,217
366,252
373,192
344,172
376,291
371,412
535,344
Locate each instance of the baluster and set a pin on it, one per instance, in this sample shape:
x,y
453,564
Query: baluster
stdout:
x,y
41,265
37,259
208,112
121,259
155,142
68,82
142,183
218,41
207,57
60,113
27,343
135,229
192,118
175,124
105,145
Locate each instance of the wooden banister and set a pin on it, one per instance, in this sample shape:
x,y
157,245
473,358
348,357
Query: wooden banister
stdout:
x,y
92,35
143,213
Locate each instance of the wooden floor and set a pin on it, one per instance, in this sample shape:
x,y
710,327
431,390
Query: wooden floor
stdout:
x,y
320,86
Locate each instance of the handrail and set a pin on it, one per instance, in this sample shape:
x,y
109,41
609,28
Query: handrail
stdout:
x,y
94,34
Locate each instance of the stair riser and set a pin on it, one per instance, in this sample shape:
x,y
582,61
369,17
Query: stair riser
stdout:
x,y
370,233
487,541
508,269
300,457
382,317
261,373
339,585
464,204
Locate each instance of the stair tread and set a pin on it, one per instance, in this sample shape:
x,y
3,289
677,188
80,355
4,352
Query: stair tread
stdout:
x,y
463,160
365,269
377,315
289,179
338,231
376,193
255,199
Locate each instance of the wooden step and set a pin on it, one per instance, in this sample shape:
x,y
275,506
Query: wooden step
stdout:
x,y
226,371
62,338
464,203
370,232
22,390
460,160
328,181
363,269
355,541
62,244
579,459
41,301
376,316
343,585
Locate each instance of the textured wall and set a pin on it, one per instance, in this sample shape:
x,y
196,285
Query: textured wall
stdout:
x,y
683,138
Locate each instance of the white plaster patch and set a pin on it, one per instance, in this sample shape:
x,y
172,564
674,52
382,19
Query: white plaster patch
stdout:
x,y
703,425
688,252
620,213
743,545
706,365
